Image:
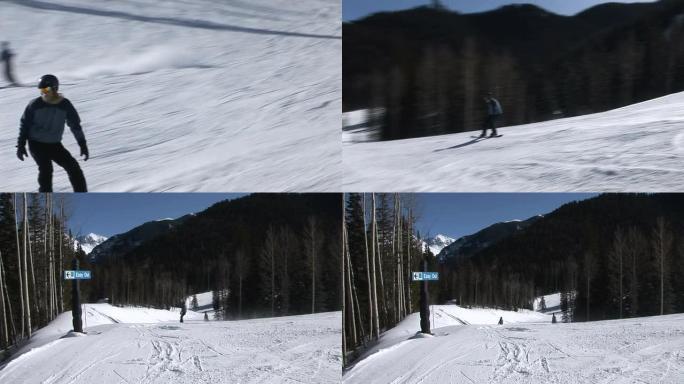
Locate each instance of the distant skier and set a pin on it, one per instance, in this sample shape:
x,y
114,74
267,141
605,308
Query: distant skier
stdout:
x,y
206,317
494,111
183,311
501,320
553,319
42,126
6,58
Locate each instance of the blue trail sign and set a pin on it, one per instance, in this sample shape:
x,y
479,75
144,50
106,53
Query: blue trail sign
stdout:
x,y
76,275
422,276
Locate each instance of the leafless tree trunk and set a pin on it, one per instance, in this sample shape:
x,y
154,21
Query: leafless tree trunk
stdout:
x,y
368,278
21,282
662,244
26,292
373,254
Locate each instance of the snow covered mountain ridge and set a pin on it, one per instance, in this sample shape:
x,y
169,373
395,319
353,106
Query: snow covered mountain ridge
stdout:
x,y
436,243
89,242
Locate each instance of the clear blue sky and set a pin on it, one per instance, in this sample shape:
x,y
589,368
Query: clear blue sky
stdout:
x,y
459,214
112,213
355,9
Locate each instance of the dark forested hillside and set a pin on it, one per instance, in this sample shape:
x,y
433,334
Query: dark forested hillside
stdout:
x,y
266,254
596,251
430,67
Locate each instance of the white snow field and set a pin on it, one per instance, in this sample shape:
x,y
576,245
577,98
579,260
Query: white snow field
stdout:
x,y
183,95
636,148
139,345
527,350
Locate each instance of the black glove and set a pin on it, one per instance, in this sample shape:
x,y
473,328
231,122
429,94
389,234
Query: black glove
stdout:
x,y
84,150
21,151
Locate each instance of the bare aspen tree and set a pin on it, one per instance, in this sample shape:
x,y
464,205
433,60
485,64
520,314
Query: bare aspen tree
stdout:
x,y
2,306
375,291
21,283
408,255
348,279
344,286
662,243
26,293
61,256
368,278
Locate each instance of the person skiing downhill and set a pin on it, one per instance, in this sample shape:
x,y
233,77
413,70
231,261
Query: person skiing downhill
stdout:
x,y
6,57
494,111
42,126
183,311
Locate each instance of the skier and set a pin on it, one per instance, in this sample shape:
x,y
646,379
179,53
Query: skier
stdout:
x,y
183,311
6,57
42,126
553,319
494,111
501,320
206,317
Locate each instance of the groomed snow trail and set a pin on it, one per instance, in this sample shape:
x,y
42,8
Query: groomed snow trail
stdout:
x,y
640,350
183,95
290,349
635,148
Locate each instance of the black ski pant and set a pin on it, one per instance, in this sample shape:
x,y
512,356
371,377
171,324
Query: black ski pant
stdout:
x,y
490,123
44,154
8,73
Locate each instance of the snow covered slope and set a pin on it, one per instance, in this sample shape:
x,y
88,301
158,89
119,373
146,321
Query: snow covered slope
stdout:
x,y
184,95
640,350
636,148
137,345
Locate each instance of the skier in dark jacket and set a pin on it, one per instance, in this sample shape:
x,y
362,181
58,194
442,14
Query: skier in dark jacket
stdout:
x,y
494,111
6,57
42,126
184,310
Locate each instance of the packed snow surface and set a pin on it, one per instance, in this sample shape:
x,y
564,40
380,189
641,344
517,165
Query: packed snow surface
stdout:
x,y
183,95
639,350
139,345
636,148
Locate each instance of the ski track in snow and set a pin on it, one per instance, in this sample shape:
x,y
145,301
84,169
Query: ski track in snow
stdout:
x,y
639,146
294,349
641,350
183,96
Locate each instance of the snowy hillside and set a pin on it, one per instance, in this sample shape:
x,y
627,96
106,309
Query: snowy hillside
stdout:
x,y
89,242
193,95
137,345
639,146
649,350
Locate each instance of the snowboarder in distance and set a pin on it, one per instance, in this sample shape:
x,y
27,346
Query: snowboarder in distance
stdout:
x,y
206,317
494,111
553,319
6,58
42,126
501,320
183,311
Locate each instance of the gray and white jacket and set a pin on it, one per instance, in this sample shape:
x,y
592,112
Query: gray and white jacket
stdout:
x,y
44,122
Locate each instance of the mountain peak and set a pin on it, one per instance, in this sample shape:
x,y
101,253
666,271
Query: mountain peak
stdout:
x,y
89,242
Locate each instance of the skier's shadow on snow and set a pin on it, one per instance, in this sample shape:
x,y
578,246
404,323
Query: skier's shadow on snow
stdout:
x,y
164,20
467,143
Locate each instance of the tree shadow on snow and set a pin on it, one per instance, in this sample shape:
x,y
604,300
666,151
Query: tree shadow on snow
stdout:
x,y
165,20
